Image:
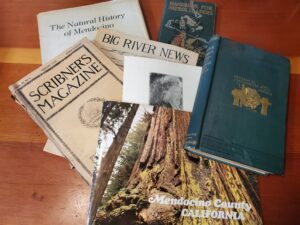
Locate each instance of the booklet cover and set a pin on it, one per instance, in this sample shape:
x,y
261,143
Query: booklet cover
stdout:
x,y
188,24
239,116
144,176
116,45
59,29
64,97
158,82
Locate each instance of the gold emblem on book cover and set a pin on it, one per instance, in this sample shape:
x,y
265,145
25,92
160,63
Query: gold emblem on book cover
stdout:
x,y
250,98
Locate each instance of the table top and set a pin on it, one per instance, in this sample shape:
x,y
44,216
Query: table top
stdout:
x,y
39,188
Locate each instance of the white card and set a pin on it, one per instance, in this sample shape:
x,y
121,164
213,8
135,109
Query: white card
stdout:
x,y
159,82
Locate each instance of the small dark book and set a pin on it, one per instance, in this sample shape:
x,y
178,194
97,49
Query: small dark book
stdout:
x,y
188,24
239,115
144,176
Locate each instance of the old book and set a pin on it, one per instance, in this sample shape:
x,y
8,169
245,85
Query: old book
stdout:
x,y
239,115
144,176
189,24
64,97
59,29
159,82
116,45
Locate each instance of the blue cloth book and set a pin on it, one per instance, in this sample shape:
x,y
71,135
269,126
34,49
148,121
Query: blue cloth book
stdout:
x,y
239,115
188,24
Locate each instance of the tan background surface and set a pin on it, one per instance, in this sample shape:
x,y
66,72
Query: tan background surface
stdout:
x,y
37,188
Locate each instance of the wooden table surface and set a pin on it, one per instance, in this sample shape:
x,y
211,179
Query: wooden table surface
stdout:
x,y
37,188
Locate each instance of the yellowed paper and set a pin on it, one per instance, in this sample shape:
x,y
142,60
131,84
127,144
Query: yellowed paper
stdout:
x,y
65,98
116,44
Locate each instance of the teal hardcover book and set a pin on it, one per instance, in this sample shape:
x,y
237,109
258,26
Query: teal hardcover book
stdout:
x,y
239,115
188,24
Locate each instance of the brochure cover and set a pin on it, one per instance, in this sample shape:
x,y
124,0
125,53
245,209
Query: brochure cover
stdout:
x,y
144,176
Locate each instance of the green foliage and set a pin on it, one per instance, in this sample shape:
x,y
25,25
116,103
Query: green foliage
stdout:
x,y
128,156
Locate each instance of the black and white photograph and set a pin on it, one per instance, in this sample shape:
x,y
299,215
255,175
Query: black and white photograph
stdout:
x,y
166,90
159,82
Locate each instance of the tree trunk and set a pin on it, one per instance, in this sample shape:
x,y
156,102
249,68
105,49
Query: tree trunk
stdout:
x,y
164,168
109,160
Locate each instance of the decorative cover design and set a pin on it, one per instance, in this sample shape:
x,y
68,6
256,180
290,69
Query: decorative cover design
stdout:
x,y
250,98
188,24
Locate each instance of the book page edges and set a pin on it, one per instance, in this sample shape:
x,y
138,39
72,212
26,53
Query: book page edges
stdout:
x,y
227,161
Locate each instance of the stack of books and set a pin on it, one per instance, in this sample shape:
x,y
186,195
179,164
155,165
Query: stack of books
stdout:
x,y
173,131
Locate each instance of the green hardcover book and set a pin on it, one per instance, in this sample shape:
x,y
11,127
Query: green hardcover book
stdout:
x,y
239,115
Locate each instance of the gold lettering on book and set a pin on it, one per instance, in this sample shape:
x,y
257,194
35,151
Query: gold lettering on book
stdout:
x,y
264,106
250,98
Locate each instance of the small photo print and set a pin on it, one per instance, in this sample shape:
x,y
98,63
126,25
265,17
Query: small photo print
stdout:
x,y
166,90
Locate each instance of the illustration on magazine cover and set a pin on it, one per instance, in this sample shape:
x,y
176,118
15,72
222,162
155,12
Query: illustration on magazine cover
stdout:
x,y
188,24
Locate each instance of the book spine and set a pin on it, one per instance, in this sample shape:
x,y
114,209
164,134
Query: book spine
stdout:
x,y
198,113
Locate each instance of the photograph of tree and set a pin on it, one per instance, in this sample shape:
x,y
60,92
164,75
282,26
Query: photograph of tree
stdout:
x,y
144,176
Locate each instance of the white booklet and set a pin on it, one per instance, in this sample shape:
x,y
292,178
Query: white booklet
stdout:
x,y
159,82
60,29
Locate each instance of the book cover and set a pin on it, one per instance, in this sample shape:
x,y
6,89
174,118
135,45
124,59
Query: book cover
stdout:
x,y
59,29
144,176
64,97
188,24
239,116
158,82
116,45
